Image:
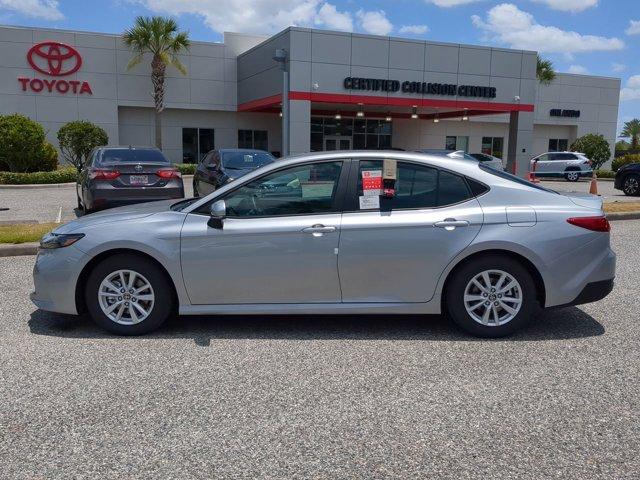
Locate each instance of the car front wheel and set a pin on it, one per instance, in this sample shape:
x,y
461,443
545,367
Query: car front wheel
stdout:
x,y
631,185
128,295
491,296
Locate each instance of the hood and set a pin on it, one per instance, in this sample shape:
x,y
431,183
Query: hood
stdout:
x,y
120,214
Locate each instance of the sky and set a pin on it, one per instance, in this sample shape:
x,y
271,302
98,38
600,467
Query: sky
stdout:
x,y
598,37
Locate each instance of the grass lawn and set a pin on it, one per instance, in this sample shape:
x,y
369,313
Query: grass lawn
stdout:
x,y
621,207
22,233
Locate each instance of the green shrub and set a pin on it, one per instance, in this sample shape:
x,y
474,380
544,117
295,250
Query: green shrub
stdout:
x,y
49,158
187,168
77,139
64,175
605,174
622,161
21,143
595,147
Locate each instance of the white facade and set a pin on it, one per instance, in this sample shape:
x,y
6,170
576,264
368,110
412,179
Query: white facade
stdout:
x,y
236,85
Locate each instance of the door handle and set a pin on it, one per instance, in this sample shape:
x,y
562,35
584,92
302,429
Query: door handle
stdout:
x,y
451,223
319,229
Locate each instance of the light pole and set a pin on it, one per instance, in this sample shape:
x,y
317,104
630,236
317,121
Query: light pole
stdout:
x,y
281,57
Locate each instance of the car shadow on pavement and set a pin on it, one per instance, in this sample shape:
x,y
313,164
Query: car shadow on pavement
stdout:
x,y
559,324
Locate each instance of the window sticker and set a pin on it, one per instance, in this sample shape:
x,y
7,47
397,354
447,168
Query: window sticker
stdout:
x,y
389,169
369,202
319,189
372,183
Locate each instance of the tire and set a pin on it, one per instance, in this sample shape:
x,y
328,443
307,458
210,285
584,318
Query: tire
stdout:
x,y
572,175
631,185
461,284
158,299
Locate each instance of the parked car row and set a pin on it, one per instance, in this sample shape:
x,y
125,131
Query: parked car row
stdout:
x,y
316,234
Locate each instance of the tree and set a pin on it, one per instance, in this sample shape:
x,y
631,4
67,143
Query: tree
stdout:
x,y
595,147
22,144
77,139
158,36
622,146
631,130
544,71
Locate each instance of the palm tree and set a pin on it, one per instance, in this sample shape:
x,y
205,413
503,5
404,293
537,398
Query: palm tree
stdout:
x,y
631,130
158,36
544,71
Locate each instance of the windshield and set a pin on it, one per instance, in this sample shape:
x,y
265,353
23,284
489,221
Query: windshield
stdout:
x,y
245,160
131,155
513,178
180,206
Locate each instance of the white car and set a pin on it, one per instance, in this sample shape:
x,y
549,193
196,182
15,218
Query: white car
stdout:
x,y
570,165
489,160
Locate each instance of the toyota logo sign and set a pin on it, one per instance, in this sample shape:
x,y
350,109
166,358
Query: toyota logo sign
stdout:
x,y
54,58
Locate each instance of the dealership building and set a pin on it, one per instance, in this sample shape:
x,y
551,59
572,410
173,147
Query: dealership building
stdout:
x,y
345,91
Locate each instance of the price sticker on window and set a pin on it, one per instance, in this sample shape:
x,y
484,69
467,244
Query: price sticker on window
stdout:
x,y
372,183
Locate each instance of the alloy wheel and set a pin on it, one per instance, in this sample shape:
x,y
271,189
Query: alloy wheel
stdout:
x,y
493,298
631,186
573,176
126,297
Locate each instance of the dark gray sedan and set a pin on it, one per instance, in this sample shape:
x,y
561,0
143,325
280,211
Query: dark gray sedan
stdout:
x,y
116,176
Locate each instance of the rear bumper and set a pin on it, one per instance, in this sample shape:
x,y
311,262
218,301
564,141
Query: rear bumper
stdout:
x,y
115,197
592,292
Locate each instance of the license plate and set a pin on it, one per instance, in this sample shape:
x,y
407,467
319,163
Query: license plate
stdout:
x,y
139,179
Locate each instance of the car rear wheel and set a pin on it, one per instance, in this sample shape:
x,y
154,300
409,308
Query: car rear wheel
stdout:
x,y
631,185
491,297
128,295
572,175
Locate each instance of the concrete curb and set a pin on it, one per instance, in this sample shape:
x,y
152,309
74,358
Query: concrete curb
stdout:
x,y
623,216
19,249
59,185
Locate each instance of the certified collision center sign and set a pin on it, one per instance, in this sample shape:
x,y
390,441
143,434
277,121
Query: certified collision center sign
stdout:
x,y
54,59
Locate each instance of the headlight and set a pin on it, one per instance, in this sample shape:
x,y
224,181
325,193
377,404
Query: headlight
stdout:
x,y
55,240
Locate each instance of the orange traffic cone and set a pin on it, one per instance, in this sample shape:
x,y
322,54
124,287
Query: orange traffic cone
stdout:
x,y
593,188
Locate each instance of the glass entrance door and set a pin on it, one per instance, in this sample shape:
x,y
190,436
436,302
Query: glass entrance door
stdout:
x,y
336,142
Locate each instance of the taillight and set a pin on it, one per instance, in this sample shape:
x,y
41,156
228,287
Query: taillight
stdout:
x,y
168,173
98,174
595,224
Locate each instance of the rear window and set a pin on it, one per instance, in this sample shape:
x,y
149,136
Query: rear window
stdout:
x,y
130,155
246,160
513,178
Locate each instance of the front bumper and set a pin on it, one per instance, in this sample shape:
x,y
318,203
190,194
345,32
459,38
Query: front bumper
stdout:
x,y
55,275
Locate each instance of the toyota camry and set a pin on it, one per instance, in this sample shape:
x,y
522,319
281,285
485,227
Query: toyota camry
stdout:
x,y
336,233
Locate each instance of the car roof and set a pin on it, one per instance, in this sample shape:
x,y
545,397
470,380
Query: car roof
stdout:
x,y
239,150
127,147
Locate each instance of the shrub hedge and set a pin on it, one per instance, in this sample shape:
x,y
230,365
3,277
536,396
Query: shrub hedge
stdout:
x,y
187,168
63,175
622,161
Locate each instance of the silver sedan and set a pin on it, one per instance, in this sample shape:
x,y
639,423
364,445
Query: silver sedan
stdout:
x,y
336,233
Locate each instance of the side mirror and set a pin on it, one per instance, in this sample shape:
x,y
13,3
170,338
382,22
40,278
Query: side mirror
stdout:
x,y
218,213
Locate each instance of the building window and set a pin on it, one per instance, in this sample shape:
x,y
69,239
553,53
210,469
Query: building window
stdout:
x,y
457,143
257,139
558,144
327,133
492,146
196,143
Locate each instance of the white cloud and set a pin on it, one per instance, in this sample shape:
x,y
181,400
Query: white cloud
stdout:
x,y
328,16
618,67
579,69
255,16
414,29
374,22
450,3
634,28
569,5
507,24
631,91
45,9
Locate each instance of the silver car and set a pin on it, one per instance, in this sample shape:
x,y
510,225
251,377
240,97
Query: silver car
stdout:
x,y
570,165
326,234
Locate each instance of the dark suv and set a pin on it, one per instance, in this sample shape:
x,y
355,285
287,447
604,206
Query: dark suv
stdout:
x,y
219,167
628,179
117,176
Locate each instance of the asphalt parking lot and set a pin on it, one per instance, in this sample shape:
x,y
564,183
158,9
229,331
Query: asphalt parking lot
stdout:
x,y
52,203
322,397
